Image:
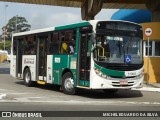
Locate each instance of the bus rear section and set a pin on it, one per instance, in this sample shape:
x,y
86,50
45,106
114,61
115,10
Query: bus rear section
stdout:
x,y
58,56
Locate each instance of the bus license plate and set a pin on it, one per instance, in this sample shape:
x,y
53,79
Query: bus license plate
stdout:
x,y
123,82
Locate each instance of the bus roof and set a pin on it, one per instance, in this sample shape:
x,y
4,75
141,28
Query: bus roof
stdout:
x,y
33,31
80,24
52,29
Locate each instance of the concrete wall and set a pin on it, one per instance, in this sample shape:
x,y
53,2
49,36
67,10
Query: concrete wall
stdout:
x,y
154,69
3,57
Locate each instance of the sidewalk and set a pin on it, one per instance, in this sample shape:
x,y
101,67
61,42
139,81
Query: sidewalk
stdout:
x,y
151,87
2,96
154,85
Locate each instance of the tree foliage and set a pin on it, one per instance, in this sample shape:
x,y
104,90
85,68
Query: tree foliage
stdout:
x,y
7,45
16,24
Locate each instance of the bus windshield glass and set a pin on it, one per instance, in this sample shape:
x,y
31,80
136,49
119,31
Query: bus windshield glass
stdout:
x,y
121,45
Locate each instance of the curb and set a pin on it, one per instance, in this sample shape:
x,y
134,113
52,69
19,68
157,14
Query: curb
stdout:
x,y
149,89
2,96
152,85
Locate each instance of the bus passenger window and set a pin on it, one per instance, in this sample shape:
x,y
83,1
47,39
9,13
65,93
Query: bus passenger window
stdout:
x,y
64,43
30,43
64,47
70,37
72,41
71,46
68,42
54,44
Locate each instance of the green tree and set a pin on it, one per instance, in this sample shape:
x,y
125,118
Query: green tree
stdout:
x,y
7,45
16,24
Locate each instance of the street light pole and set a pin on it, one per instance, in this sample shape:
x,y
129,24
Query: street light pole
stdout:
x,y
16,24
5,27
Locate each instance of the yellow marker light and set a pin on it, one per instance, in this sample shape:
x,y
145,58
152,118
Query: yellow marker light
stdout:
x,y
41,82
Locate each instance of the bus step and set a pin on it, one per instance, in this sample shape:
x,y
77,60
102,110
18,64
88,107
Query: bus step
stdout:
x,y
84,87
41,82
20,78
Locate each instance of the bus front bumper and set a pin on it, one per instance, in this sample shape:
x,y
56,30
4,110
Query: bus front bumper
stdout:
x,y
98,82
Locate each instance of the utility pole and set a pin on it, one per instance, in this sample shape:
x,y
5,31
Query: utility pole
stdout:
x,y
16,30
5,27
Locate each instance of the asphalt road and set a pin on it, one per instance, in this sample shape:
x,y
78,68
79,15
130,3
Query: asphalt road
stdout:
x,y
50,98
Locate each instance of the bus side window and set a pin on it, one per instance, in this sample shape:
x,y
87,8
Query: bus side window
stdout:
x,y
68,42
30,43
64,45
54,44
72,41
68,39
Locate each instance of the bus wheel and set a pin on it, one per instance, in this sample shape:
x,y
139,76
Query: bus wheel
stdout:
x,y
68,84
27,78
110,91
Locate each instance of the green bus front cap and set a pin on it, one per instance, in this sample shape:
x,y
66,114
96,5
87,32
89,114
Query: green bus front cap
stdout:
x,y
72,26
109,72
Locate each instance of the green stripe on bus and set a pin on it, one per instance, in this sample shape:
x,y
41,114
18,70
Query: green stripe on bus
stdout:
x,y
72,26
109,72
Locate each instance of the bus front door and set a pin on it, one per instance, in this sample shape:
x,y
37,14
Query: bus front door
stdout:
x,y
42,57
19,58
84,58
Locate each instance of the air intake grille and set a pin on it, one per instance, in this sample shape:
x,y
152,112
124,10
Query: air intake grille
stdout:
x,y
124,67
120,67
117,84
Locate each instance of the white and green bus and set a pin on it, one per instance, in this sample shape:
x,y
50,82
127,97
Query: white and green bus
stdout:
x,y
95,54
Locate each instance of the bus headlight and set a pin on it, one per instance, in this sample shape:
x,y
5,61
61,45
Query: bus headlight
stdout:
x,y
139,76
99,73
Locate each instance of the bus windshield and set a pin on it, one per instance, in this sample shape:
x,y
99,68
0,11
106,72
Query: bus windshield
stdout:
x,y
118,46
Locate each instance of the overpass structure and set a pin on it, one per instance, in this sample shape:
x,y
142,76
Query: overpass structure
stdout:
x,y
90,8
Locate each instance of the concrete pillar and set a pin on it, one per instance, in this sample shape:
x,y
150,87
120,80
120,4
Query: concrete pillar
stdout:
x,y
90,8
155,16
154,7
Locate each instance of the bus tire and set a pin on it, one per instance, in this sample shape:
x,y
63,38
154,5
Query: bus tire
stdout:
x,y
27,78
68,84
110,91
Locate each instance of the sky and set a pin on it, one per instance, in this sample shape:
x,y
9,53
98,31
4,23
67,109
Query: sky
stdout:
x,y
43,16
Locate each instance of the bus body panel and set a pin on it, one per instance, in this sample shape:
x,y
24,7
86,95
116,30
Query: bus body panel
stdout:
x,y
62,63
29,61
134,73
13,66
50,69
102,83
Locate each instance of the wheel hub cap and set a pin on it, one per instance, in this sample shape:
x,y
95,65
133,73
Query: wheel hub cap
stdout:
x,y
69,84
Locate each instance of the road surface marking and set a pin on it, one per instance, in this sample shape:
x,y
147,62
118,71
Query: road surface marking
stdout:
x,y
75,102
2,96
